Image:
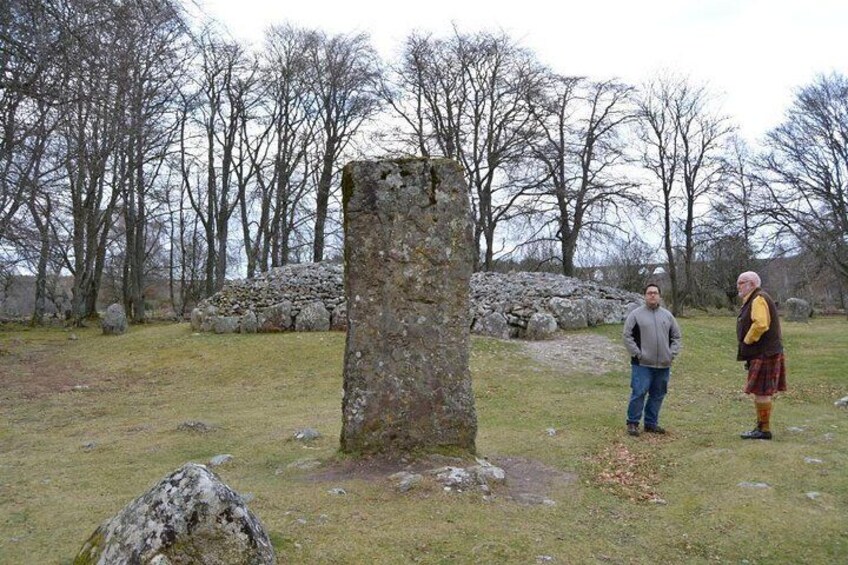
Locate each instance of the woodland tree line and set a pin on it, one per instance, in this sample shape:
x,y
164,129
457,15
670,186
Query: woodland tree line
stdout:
x,y
138,145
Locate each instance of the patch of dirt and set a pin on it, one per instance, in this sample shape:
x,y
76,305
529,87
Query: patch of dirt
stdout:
x,y
34,372
579,353
527,481
531,481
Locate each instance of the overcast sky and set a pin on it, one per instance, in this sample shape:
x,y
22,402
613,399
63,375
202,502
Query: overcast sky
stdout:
x,y
752,53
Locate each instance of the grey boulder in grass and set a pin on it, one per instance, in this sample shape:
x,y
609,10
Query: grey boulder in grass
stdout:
x,y
190,516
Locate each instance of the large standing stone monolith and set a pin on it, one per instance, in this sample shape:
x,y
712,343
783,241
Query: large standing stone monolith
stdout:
x,y
408,264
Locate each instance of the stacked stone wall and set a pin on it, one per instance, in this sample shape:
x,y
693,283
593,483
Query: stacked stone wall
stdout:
x,y
506,305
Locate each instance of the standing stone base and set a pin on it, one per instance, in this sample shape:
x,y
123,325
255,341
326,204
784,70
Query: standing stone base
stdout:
x,y
408,264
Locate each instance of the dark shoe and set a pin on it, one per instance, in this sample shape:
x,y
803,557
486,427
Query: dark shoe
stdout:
x,y
756,434
655,429
633,429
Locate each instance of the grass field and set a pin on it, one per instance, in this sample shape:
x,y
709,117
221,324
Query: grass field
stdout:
x,y
88,424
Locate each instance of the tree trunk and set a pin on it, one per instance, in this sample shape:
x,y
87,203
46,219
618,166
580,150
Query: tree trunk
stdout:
x,y
322,202
43,226
669,252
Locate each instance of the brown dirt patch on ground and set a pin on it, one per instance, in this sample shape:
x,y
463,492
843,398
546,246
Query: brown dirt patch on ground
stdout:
x,y
30,372
531,481
579,353
527,481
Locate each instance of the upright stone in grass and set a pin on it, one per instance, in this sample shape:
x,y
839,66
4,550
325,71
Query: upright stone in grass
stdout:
x,y
114,320
189,517
408,263
798,310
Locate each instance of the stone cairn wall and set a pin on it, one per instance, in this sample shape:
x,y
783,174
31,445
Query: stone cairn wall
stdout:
x,y
534,305
310,297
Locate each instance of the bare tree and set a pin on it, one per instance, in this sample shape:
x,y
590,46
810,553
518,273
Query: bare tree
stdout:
x,y
729,240
467,97
425,91
220,105
499,80
660,156
31,46
804,171
19,70
282,186
735,208
154,37
187,243
30,49
90,132
629,263
682,142
343,79
248,154
579,147
703,135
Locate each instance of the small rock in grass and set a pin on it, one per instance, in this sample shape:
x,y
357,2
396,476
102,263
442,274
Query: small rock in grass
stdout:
x,y
220,459
306,434
748,484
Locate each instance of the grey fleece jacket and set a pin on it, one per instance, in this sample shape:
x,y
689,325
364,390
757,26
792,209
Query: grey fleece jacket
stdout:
x,y
652,337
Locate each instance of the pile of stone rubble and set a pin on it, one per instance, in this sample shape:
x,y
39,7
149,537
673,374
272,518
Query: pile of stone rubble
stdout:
x,y
310,297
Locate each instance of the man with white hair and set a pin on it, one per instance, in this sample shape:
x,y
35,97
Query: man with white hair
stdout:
x,y
761,347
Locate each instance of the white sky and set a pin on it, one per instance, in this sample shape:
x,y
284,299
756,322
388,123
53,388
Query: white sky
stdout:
x,y
752,53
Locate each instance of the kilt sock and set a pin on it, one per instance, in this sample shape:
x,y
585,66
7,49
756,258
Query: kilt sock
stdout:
x,y
763,415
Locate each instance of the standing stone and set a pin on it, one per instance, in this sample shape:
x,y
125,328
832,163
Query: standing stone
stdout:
x,y
189,517
798,310
408,263
114,321
196,320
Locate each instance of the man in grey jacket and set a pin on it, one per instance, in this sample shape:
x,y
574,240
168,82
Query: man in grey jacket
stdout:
x,y
652,338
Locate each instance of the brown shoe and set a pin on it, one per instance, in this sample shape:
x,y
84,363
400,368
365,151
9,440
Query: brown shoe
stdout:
x,y
655,429
633,429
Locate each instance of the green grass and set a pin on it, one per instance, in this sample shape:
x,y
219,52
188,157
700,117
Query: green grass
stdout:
x,y
637,500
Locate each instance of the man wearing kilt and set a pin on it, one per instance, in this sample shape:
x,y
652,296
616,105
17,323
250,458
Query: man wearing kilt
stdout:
x,y
761,347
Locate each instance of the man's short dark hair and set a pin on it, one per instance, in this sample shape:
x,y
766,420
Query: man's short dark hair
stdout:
x,y
655,285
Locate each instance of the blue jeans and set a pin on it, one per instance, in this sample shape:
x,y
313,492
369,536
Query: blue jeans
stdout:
x,y
650,382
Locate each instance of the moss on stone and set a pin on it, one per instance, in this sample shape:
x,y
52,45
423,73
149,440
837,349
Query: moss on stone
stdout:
x,y
91,549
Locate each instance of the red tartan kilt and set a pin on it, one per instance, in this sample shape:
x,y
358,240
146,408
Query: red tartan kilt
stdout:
x,y
766,375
